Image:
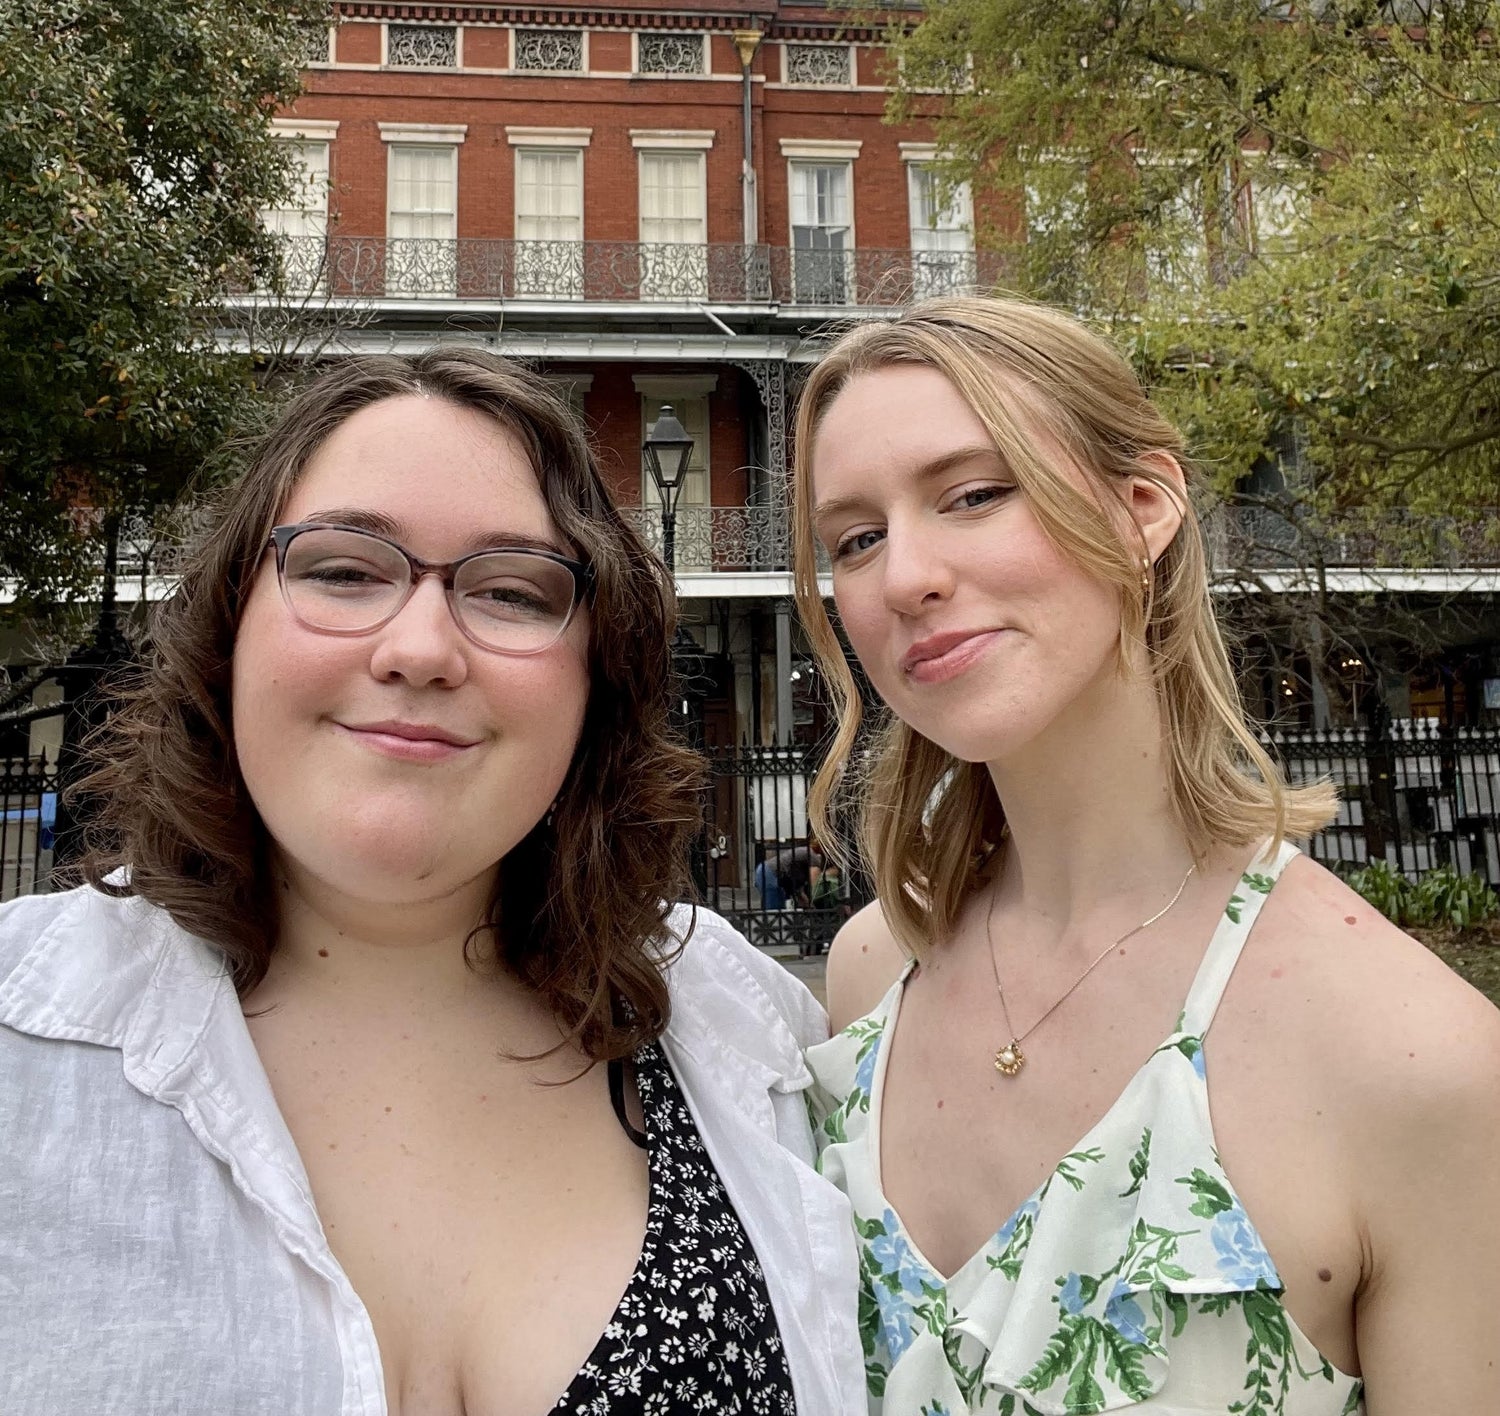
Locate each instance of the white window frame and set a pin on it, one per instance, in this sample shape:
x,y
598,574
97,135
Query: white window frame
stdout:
x,y
635,54
420,135
385,47
320,133
938,269
683,274
821,152
1055,160
967,85
333,53
557,281
1294,217
1197,261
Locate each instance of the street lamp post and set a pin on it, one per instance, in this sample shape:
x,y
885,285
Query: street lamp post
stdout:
x,y
668,449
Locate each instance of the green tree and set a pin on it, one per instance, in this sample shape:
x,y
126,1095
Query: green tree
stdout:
x,y
1289,214
135,156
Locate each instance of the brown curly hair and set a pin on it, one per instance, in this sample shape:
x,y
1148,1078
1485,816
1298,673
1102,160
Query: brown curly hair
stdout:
x,y
580,903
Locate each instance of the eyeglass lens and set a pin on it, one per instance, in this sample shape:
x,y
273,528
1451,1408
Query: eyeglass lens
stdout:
x,y
348,582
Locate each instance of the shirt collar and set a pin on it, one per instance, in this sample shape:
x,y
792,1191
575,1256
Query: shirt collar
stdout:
x,y
118,973
722,1010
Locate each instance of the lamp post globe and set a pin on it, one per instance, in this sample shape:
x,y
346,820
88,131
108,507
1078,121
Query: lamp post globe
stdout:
x,y
668,449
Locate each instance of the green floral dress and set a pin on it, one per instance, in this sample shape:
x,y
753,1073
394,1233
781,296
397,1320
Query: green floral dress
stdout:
x,y
1132,1278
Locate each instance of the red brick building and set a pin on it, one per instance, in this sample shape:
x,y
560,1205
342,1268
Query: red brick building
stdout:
x,y
656,206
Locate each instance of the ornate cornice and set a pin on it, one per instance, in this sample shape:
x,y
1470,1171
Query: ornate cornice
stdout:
x,y
591,17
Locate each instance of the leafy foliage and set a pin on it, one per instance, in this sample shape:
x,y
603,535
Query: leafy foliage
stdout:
x,y
1441,897
135,157
1288,213
1383,886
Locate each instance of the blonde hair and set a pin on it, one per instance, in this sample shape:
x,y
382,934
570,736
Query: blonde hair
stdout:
x,y
929,822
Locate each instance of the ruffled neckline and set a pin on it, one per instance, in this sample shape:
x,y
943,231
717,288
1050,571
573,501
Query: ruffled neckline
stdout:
x,y
1074,1303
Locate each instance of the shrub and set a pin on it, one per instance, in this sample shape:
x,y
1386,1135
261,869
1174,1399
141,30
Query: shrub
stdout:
x,y
1387,889
1441,897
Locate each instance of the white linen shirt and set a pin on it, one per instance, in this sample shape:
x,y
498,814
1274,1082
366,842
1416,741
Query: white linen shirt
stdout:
x,y
160,1252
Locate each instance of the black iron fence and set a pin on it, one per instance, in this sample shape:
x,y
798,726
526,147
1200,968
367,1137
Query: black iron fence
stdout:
x,y
761,868
28,821
1414,794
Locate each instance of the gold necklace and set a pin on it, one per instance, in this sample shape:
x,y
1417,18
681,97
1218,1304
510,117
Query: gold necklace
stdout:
x,y
1010,1059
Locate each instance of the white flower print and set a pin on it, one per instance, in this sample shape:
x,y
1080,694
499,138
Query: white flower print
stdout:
x,y
694,1331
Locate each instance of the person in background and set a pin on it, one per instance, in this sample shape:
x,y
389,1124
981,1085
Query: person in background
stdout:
x,y
768,880
798,868
1137,1106
373,1071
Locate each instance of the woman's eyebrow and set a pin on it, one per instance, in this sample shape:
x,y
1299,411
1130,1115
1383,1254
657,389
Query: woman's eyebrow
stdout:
x,y
357,518
363,519
956,457
517,541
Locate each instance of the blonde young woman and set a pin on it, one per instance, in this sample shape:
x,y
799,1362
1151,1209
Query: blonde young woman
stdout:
x,y
1137,1106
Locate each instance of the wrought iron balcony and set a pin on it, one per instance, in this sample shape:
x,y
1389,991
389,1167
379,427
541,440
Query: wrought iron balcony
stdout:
x,y
369,267
720,538
1268,538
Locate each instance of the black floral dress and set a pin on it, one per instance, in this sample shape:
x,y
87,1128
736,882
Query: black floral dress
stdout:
x,y
694,1331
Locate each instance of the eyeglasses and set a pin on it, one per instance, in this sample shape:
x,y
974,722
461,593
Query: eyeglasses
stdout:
x,y
337,580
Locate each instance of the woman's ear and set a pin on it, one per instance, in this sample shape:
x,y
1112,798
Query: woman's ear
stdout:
x,y
1157,500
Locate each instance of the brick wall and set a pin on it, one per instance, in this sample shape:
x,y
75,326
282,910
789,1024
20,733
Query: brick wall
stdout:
x,y
611,106
612,409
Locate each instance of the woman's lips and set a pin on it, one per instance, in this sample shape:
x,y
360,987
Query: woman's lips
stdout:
x,y
405,748
952,662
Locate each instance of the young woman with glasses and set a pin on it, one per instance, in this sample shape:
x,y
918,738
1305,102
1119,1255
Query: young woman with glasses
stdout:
x,y
1138,1108
370,1072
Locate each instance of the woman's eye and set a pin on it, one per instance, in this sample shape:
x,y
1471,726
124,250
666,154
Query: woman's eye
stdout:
x,y
854,544
975,497
341,575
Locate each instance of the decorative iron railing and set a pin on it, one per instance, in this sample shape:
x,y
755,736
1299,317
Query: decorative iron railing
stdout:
x,y
719,538
28,813
481,268
759,538
1266,538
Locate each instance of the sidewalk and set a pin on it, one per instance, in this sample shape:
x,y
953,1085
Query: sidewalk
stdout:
x,y
811,971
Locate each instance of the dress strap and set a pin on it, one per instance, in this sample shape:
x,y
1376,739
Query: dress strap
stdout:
x,y
1224,949
615,1067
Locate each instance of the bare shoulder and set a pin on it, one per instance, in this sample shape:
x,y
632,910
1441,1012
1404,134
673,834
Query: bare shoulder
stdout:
x,y
864,960
1398,1033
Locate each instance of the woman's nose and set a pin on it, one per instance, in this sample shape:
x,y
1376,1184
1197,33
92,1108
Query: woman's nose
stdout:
x,y
423,643
915,575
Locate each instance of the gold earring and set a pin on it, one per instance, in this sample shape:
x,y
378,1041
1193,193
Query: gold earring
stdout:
x,y
1146,575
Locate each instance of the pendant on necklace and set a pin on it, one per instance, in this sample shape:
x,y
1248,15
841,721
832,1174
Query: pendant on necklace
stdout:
x,y
1010,1059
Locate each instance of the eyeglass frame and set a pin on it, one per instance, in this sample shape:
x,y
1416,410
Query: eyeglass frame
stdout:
x,y
582,572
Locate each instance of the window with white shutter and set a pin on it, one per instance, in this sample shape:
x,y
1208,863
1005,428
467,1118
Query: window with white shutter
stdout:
x,y
422,225
549,221
673,216
822,230
303,220
942,241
